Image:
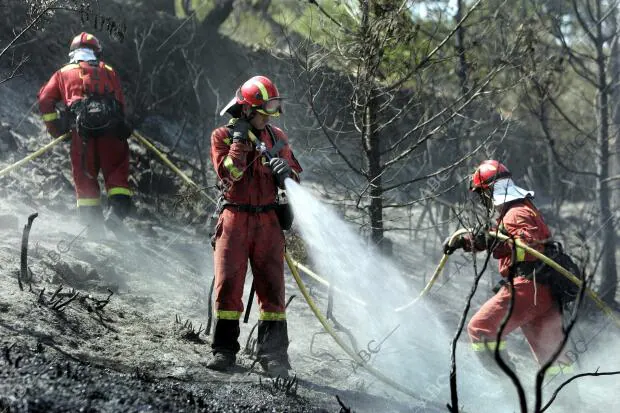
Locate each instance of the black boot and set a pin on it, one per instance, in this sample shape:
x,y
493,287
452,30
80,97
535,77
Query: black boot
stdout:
x,y
120,206
222,361
272,346
92,218
225,345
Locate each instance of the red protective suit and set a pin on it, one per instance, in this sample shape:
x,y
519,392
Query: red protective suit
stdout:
x,y
535,310
107,153
249,230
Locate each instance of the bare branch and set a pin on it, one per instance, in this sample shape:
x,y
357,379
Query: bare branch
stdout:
x,y
441,44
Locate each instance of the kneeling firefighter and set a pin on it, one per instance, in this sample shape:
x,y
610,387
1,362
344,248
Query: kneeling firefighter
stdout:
x,y
536,306
91,107
252,159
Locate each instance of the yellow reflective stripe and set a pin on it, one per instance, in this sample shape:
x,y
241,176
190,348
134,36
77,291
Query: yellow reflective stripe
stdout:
x,y
69,67
520,254
47,117
562,368
262,88
489,345
262,112
275,316
232,169
228,315
119,191
108,67
227,141
88,202
252,137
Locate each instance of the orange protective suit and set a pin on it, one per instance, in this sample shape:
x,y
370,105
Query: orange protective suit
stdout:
x,y
535,311
248,229
107,153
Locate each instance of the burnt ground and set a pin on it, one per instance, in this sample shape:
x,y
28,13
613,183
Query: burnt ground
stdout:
x,y
109,326
72,349
126,333
78,348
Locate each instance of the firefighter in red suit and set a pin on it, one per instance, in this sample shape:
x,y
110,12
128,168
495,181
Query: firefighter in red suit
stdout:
x,y
535,310
96,143
248,228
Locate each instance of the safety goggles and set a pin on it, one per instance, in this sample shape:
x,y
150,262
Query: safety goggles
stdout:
x,y
272,107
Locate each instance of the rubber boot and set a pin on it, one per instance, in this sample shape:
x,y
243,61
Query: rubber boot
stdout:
x,y
225,345
92,218
272,347
222,361
119,209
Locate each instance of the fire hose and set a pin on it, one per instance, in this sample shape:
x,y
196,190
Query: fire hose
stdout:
x,y
35,154
438,270
170,165
591,294
293,267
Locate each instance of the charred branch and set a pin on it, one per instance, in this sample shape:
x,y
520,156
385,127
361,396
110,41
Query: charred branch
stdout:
x,y
23,269
453,406
343,408
540,375
498,358
189,332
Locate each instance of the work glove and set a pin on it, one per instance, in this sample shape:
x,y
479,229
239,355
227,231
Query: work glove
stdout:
x,y
280,169
240,131
481,240
458,243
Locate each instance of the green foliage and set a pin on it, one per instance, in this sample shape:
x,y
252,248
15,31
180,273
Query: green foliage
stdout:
x,y
250,29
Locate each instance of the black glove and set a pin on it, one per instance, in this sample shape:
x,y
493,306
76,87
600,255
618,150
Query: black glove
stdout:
x,y
240,131
482,240
458,243
280,169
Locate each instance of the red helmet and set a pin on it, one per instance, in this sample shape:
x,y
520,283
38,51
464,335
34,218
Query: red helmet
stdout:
x,y
88,41
258,93
487,173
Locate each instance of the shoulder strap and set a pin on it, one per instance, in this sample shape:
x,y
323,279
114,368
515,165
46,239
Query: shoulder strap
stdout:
x,y
277,144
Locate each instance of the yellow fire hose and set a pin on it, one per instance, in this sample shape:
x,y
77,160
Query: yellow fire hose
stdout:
x,y
293,267
599,303
35,154
350,352
436,274
169,164
323,281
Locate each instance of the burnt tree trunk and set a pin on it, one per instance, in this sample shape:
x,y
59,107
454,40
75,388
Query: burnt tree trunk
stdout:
x,y
609,275
373,158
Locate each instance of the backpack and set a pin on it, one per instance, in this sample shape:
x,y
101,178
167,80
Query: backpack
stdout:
x,y
98,112
96,115
563,290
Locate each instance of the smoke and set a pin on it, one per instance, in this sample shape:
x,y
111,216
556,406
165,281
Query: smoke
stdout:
x,y
413,347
